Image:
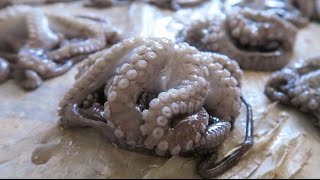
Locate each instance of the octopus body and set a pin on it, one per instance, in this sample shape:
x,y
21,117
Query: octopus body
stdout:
x,y
256,40
283,9
175,4
40,45
157,97
297,86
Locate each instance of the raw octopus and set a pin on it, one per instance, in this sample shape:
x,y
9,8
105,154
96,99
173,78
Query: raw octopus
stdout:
x,y
153,96
297,86
256,40
39,45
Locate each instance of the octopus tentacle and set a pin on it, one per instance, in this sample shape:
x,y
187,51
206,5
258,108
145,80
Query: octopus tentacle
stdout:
x,y
4,70
285,80
112,34
67,23
245,35
275,59
297,86
31,69
209,168
224,74
40,35
102,58
48,44
283,9
186,96
45,68
29,79
258,35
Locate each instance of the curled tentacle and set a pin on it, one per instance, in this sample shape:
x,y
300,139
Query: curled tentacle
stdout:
x,y
297,86
40,35
44,67
279,84
29,79
256,40
285,10
48,44
208,167
75,27
112,34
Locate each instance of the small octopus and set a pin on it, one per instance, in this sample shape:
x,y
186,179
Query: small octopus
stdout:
x,y
175,4
153,96
257,40
39,45
283,9
297,86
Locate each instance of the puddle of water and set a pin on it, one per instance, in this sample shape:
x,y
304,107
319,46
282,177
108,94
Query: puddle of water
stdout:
x,y
42,154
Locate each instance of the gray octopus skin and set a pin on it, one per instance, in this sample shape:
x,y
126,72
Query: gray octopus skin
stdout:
x,y
180,85
297,86
256,40
44,45
175,4
283,9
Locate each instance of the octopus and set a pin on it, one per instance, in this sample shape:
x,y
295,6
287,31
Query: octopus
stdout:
x,y
257,40
297,86
283,9
175,4
153,96
39,45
